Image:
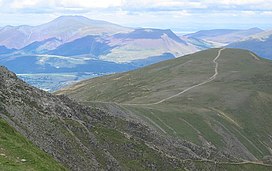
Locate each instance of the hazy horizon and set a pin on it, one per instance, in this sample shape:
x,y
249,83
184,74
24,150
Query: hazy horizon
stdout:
x,y
180,16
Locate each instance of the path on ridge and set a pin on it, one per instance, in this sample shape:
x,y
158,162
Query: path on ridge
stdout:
x,y
187,89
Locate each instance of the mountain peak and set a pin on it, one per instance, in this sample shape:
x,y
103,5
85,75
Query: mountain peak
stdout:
x,y
79,20
256,29
72,17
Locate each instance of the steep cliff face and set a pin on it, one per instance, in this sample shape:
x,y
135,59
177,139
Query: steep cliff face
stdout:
x,y
89,138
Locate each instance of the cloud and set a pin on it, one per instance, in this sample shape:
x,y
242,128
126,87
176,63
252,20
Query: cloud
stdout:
x,y
267,13
89,3
149,13
163,4
238,2
57,5
140,5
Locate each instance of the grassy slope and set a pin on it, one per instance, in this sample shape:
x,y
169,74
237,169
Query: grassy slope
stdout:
x,y
232,112
142,85
14,148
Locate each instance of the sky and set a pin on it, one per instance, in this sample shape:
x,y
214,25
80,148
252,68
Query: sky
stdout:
x,y
178,15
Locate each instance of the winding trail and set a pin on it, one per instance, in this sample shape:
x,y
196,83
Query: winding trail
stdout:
x,y
226,117
256,162
187,89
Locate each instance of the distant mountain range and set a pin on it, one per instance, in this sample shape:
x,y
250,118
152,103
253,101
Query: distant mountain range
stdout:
x,y
260,44
99,39
80,36
64,28
71,44
221,37
5,50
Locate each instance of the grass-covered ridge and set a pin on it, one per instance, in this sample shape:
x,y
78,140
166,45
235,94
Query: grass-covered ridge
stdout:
x,y
233,112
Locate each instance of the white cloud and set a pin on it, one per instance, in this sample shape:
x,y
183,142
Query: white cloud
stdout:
x,y
24,4
141,12
248,13
252,4
57,4
239,2
89,3
140,5
163,3
269,13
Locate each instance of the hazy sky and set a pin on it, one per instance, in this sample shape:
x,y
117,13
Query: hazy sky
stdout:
x,y
183,15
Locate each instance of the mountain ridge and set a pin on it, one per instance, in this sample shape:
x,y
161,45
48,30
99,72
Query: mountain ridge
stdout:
x,y
225,36
86,138
65,28
258,43
224,115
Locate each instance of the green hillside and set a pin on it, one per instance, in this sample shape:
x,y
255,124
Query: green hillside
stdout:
x,y
86,138
18,153
221,100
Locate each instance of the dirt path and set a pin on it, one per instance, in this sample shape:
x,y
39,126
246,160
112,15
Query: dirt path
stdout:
x,y
189,88
254,56
178,94
207,160
226,117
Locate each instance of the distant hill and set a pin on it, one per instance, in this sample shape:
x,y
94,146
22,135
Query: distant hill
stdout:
x,y
138,44
75,47
4,50
145,43
40,47
260,44
224,36
88,45
145,33
198,43
35,64
220,98
64,28
122,44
